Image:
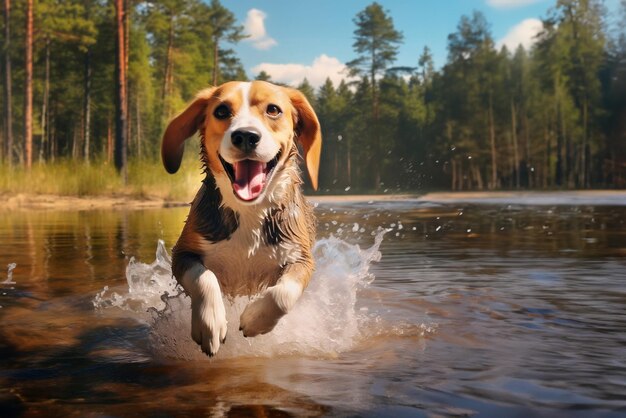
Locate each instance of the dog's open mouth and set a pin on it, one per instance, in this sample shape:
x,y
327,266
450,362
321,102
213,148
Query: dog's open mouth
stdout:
x,y
249,177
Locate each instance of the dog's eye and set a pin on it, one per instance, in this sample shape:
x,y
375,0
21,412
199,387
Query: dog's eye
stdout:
x,y
273,111
222,112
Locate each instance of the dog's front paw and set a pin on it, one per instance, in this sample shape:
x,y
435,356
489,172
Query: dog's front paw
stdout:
x,y
261,316
208,326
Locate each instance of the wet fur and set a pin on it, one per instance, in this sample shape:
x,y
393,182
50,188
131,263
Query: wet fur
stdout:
x,y
234,249
283,231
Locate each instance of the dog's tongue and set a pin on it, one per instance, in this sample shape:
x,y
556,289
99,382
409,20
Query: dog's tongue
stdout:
x,y
249,179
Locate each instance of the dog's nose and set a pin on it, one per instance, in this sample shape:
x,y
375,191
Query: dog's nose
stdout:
x,y
245,140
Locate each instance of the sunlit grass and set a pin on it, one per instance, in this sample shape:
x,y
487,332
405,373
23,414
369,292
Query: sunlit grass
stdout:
x,y
147,179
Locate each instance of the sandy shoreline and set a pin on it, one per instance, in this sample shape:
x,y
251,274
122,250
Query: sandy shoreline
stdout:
x,y
54,202
584,197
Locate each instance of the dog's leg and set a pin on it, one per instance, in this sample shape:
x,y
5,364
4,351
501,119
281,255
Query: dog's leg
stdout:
x,y
208,315
262,315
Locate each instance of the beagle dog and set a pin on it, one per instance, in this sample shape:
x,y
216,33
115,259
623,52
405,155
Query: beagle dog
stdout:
x,y
249,229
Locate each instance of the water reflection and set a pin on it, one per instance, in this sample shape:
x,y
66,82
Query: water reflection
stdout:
x,y
57,251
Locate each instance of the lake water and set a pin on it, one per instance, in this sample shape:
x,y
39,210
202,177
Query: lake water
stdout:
x,y
499,309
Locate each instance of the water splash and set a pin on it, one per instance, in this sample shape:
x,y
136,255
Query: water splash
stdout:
x,y
147,283
325,321
10,268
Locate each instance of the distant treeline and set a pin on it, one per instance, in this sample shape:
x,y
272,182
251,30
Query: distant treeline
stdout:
x,y
550,117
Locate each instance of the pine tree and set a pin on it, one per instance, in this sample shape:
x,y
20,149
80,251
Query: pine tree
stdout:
x,y
263,76
376,43
306,89
581,30
470,81
62,24
222,24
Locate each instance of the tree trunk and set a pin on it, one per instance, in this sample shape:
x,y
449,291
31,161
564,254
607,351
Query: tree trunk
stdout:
x,y
138,128
46,101
492,142
216,57
566,154
558,175
109,146
52,138
460,176
377,156
529,162
8,96
76,141
336,162
454,174
168,69
585,176
547,172
478,176
120,90
127,11
515,149
349,162
28,94
87,101
87,106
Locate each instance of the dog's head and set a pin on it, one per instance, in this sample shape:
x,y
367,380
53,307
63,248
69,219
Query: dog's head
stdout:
x,y
248,131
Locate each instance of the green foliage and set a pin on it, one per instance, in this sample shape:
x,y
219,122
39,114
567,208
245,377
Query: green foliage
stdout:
x,y
173,38
263,76
306,89
376,44
552,116
66,177
548,117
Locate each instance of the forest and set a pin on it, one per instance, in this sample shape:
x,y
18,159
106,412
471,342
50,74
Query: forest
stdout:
x,y
93,83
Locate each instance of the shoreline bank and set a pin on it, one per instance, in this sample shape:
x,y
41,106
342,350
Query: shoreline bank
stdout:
x,y
25,201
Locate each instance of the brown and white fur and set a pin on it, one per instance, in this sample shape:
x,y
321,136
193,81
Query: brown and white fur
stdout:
x,y
249,229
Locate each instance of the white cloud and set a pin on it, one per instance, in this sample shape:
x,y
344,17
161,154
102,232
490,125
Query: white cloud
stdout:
x,y
510,4
254,27
292,74
523,33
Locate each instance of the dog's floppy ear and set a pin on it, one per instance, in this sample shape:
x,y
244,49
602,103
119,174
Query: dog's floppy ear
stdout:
x,y
308,132
182,127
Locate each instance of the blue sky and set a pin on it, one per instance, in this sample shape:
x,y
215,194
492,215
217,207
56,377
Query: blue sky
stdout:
x,y
294,39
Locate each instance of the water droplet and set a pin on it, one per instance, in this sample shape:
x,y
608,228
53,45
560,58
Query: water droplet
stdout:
x,y
10,268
